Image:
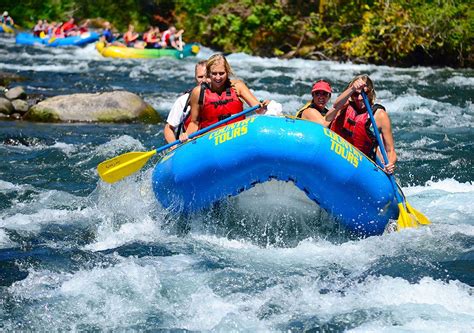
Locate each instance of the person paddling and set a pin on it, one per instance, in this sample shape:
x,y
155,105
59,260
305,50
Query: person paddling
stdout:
x,y
172,38
7,20
38,28
175,123
69,27
152,38
131,37
352,121
84,27
221,99
108,37
316,110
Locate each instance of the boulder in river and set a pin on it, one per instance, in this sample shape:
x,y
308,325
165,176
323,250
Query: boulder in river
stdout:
x,y
20,106
116,106
15,93
6,107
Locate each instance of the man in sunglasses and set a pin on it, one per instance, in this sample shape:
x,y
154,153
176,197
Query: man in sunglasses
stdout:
x,y
352,121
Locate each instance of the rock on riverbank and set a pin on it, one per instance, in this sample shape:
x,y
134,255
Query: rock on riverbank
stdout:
x,y
115,106
13,103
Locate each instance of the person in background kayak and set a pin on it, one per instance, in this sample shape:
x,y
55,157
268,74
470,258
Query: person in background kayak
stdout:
x,y
44,33
316,110
131,38
152,38
175,123
108,37
352,120
221,99
69,27
57,30
84,27
7,20
171,38
51,29
38,28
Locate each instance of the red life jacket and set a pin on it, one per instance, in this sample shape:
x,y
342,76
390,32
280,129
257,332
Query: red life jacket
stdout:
x,y
166,37
67,26
216,107
355,128
129,38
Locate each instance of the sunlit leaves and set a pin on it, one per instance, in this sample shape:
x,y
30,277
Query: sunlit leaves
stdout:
x,y
382,31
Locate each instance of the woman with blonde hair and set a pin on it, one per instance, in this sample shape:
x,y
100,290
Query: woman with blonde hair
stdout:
x,y
353,123
131,38
220,98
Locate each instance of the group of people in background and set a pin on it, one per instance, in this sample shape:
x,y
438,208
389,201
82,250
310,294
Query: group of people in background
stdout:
x,y
151,39
216,96
68,28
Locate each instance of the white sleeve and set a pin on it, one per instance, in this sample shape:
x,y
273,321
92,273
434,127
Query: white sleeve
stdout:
x,y
176,114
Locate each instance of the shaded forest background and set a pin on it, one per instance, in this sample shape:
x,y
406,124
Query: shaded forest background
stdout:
x,y
393,32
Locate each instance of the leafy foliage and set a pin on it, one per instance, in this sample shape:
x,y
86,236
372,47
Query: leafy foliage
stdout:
x,y
381,31
410,32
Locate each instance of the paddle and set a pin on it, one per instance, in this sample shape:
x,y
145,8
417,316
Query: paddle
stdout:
x,y
124,165
180,46
408,216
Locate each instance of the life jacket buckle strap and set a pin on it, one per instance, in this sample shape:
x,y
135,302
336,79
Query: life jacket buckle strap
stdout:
x,y
347,132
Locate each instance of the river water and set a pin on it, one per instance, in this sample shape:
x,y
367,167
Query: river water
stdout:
x,y
79,254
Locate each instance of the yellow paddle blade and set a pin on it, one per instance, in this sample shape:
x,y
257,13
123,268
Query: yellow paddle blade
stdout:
x,y
420,218
122,166
405,220
195,49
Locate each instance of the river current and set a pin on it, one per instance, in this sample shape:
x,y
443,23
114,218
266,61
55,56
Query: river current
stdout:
x,y
80,254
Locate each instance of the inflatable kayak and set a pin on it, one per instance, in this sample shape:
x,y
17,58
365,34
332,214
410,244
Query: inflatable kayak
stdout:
x,y
129,52
6,29
234,158
29,39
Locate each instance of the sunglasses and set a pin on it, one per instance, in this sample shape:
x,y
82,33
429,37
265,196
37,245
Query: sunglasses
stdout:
x,y
356,94
321,93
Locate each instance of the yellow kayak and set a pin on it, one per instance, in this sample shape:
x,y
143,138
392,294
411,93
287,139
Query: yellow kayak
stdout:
x,y
129,52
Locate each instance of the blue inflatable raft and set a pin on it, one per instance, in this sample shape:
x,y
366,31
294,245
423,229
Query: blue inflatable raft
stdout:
x,y
29,39
234,158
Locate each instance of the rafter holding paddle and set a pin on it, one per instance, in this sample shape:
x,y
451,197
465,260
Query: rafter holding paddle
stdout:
x,y
408,216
